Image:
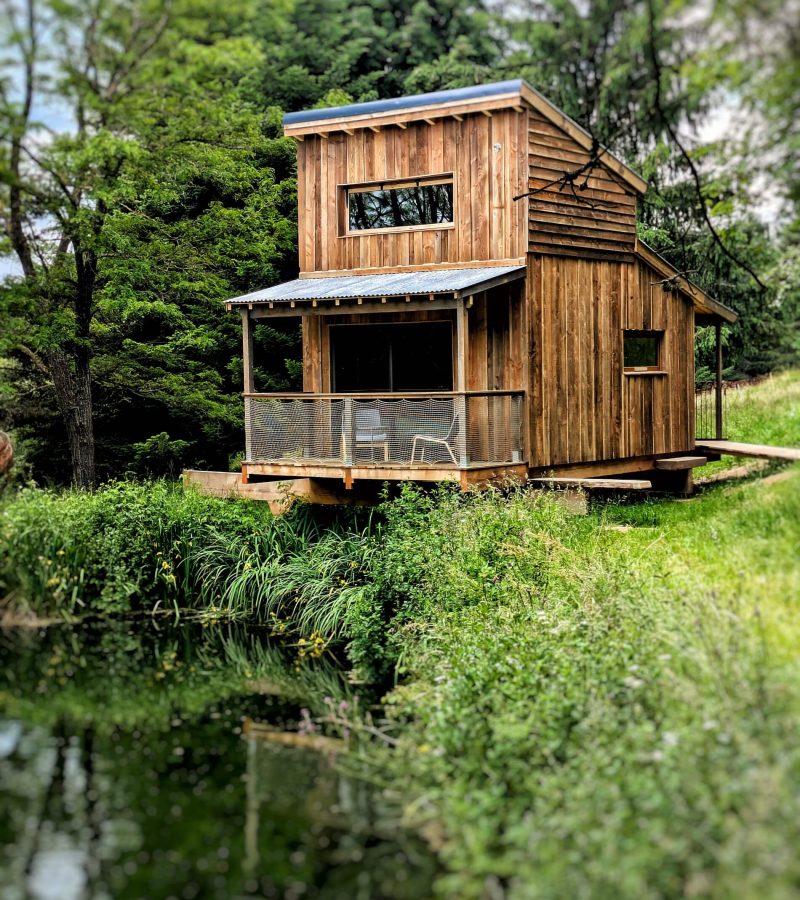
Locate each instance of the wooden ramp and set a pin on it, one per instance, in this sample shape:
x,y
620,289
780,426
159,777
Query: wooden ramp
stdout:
x,y
758,451
280,495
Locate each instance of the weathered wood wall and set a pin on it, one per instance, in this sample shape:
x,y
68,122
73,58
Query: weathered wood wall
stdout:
x,y
486,156
600,219
583,406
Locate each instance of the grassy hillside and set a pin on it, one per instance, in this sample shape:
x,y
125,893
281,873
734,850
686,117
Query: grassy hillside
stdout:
x,y
764,413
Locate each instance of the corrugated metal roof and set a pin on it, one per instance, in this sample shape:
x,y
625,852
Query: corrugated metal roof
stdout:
x,y
437,281
474,92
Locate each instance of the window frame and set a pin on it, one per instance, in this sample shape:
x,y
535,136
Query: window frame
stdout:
x,y
658,335
344,191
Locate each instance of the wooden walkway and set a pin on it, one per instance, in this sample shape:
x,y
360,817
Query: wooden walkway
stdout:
x,y
758,451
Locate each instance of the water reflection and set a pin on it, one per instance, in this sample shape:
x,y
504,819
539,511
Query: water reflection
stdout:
x,y
124,772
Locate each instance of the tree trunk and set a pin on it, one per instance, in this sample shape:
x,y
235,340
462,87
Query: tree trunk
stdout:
x,y
73,386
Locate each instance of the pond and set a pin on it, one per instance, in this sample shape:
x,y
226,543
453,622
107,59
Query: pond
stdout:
x,y
142,761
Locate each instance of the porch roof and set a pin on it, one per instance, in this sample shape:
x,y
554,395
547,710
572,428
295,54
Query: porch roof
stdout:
x,y
460,282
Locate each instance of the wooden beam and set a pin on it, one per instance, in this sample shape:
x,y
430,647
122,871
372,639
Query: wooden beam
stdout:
x,y
757,451
676,463
461,348
718,383
609,484
358,304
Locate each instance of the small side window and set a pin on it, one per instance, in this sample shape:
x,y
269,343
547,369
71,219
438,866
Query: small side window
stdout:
x,y
642,351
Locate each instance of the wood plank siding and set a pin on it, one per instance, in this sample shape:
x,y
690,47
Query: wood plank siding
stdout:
x,y
599,218
583,406
484,154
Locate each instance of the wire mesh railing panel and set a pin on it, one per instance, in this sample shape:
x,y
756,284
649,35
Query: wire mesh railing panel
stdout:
x,y
456,430
291,430
706,413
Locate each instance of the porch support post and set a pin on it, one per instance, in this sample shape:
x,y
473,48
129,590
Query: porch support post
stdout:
x,y
462,344
347,432
249,384
718,385
247,352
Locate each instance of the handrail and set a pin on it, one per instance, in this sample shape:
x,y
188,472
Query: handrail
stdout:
x,y
398,395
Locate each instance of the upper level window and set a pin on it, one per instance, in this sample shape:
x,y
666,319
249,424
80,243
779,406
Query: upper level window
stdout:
x,y
642,351
406,204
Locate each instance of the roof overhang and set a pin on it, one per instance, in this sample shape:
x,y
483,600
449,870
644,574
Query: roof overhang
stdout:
x,y
481,98
304,294
704,305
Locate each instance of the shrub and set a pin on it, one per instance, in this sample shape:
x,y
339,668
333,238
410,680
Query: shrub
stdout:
x,y
125,547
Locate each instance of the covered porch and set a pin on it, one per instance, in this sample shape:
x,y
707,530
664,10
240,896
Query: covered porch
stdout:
x,y
406,376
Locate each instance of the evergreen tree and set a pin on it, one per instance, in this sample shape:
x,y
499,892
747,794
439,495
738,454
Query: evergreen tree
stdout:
x,y
167,194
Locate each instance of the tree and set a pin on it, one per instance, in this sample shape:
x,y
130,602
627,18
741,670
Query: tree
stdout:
x,y
370,49
166,193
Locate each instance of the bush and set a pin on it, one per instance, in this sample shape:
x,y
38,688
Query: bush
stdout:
x,y
126,547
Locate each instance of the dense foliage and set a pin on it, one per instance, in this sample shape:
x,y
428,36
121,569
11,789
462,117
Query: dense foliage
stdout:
x,y
166,185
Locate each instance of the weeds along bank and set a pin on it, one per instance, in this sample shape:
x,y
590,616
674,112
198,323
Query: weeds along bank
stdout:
x,y
359,579
600,706
626,723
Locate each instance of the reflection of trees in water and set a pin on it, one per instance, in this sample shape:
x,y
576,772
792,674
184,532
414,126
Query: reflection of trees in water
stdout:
x,y
130,762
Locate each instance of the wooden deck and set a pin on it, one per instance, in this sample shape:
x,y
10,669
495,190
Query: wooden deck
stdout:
x,y
757,451
280,495
466,477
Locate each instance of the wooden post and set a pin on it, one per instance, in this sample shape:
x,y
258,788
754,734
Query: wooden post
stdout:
x,y
462,337
249,384
247,352
718,385
347,432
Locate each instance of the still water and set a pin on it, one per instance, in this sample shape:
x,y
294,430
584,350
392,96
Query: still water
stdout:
x,y
138,761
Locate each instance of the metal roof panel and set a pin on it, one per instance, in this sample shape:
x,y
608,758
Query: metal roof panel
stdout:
x,y
397,284
456,95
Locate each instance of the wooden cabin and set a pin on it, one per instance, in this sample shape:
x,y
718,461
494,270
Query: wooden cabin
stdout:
x,y
474,301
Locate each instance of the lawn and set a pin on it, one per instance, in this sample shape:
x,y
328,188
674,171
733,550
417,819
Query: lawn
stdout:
x,y
619,714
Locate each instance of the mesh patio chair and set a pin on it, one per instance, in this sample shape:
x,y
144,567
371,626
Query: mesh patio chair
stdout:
x,y
370,432
446,442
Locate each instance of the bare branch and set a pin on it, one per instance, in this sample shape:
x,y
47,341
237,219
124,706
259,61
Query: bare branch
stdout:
x,y
52,173
34,357
698,183
16,233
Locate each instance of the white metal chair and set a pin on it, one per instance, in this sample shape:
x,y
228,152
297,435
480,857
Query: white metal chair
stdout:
x,y
370,432
421,440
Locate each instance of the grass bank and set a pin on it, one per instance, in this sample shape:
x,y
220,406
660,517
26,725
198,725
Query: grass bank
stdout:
x,y
599,706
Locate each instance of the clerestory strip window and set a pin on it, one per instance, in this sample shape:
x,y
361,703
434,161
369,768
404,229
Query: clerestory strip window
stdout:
x,y
407,204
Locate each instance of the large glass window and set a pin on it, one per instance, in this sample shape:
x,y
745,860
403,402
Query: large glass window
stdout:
x,y
406,205
392,357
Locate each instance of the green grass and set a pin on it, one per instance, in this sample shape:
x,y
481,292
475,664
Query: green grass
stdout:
x,y
623,723
763,413
598,706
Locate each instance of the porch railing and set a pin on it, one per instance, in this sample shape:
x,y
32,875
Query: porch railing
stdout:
x,y
450,429
709,423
